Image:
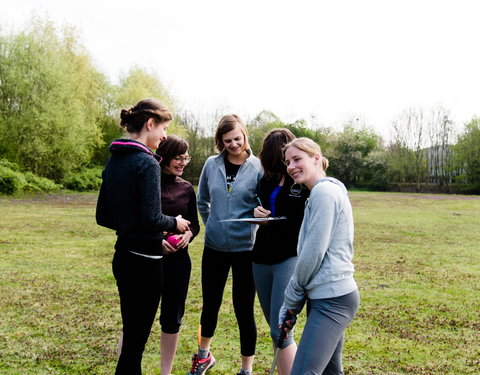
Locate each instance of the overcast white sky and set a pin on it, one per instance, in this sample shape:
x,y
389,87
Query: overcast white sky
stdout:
x,y
335,60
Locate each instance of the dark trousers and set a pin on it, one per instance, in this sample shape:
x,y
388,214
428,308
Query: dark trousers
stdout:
x,y
177,268
215,268
139,282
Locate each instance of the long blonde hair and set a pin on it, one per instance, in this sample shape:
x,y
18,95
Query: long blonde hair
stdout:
x,y
310,147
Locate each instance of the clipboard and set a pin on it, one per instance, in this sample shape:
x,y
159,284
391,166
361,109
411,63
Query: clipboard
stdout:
x,y
255,220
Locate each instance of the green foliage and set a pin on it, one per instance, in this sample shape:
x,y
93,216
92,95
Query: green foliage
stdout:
x,y
201,145
13,181
266,121
58,114
349,156
110,130
465,188
467,153
140,83
321,135
259,127
374,174
50,100
10,181
399,159
84,179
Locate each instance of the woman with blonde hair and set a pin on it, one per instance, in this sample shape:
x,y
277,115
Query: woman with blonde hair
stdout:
x,y
324,271
226,190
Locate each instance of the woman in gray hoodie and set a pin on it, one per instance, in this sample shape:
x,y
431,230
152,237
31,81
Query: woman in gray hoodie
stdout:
x,y
324,269
227,190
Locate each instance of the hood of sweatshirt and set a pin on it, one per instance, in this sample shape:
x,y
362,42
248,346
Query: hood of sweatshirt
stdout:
x,y
126,146
334,181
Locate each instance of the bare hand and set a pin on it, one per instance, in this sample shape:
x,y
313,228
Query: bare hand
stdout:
x,y
184,239
167,248
259,211
182,224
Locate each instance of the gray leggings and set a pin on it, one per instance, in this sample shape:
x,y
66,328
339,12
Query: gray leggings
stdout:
x,y
320,348
270,282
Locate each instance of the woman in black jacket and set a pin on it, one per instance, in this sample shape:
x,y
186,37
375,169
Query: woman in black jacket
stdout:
x,y
129,203
275,250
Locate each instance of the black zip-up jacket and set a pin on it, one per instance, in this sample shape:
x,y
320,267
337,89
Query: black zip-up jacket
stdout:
x,y
129,201
277,240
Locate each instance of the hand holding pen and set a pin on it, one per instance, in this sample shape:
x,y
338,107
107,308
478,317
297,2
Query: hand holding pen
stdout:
x,y
259,211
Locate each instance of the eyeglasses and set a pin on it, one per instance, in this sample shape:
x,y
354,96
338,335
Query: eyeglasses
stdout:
x,y
186,159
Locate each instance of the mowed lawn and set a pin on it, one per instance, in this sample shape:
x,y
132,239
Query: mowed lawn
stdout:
x,y
417,265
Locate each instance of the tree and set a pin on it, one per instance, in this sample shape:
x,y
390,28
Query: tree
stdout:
x,y
349,154
138,84
439,155
200,140
50,100
321,135
467,153
407,157
260,126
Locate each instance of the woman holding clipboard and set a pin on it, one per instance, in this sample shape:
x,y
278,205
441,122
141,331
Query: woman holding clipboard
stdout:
x,y
275,250
226,190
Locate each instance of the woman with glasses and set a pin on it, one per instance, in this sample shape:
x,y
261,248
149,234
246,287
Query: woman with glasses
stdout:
x,y
178,198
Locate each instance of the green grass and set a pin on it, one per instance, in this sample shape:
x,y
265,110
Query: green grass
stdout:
x,y
417,265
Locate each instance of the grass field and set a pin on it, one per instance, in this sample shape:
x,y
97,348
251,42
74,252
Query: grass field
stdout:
x,y
417,265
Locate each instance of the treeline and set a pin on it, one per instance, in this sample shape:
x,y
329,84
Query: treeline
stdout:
x,y
59,112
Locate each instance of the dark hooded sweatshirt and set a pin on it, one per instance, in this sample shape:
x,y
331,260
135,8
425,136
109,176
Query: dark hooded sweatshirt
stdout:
x,y
129,201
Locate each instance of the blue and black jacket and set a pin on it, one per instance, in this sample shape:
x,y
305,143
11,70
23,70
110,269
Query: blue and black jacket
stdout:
x,y
129,201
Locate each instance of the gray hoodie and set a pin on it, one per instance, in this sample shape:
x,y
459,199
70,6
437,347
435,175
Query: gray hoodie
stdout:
x,y
215,203
325,247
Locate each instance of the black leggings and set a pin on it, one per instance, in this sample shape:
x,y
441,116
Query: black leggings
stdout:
x,y
139,282
176,276
215,268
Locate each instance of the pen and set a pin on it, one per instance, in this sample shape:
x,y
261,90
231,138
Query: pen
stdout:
x,y
260,202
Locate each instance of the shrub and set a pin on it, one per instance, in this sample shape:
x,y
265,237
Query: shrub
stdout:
x,y
473,188
13,181
8,164
39,184
84,180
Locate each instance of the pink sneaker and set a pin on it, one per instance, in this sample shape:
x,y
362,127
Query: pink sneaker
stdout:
x,y
201,365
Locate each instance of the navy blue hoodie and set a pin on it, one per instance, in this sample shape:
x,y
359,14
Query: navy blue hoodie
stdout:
x,y
129,201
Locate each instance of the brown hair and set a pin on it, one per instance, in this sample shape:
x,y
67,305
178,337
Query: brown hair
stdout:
x,y
310,147
271,154
133,119
170,148
227,123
